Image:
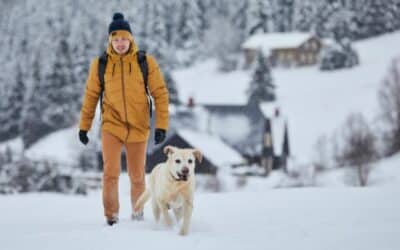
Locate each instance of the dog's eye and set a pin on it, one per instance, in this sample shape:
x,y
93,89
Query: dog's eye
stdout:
x,y
190,161
178,161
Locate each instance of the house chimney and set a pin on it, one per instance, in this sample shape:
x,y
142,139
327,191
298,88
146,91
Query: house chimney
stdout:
x,y
285,148
267,154
191,102
277,112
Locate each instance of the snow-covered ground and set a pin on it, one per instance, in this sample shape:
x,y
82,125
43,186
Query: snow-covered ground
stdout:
x,y
314,102
384,173
287,219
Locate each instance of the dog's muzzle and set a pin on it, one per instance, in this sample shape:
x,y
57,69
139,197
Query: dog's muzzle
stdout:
x,y
182,176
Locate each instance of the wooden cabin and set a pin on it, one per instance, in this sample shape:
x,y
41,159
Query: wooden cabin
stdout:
x,y
292,49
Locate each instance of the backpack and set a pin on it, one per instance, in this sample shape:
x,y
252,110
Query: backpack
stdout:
x,y
142,61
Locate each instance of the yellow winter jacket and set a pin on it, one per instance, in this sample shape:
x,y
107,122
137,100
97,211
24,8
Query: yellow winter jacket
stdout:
x,y
125,106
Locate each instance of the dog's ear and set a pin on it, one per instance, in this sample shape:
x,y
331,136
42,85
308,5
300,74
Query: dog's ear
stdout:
x,y
169,149
198,155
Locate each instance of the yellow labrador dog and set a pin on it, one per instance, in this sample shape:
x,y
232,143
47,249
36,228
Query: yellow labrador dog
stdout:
x,y
172,185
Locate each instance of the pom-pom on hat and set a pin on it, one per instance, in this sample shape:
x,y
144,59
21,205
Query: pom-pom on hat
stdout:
x,y
119,23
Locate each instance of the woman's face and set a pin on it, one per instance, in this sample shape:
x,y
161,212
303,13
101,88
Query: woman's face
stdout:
x,y
120,45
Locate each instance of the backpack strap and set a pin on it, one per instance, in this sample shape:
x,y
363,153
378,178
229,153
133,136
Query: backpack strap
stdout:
x,y
142,61
101,71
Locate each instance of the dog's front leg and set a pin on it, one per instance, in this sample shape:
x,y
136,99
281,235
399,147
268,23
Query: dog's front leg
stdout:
x,y
167,218
156,210
187,214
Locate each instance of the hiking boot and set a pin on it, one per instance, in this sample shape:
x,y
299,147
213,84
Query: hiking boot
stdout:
x,y
112,221
138,216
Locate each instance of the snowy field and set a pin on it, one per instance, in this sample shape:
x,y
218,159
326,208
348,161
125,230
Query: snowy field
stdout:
x,y
287,219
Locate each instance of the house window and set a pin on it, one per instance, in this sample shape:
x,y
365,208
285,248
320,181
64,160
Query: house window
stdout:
x,y
314,46
289,56
303,58
267,140
290,59
282,56
310,58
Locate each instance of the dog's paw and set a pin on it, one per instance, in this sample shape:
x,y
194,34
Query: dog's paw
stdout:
x,y
137,208
183,232
168,222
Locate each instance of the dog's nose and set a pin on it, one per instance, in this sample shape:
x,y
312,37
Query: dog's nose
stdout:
x,y
185,170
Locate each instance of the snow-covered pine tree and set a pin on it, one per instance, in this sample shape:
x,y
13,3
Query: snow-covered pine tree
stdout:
x,y
163,45
188,42
240,19
12,78
304,14
158,45
324,11
170,21
261,87
259,17
83,50
62,89
225,48
351,58
32,127
205,15
283,15
341,54
172,88
161,50
11,106
54,102
144,27
376,17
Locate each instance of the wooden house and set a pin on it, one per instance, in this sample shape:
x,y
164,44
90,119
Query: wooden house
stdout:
x,y
291,49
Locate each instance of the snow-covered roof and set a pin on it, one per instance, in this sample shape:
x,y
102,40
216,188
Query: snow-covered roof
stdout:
x,y
212,147
16,145
269,108
269,41
62,146
206,85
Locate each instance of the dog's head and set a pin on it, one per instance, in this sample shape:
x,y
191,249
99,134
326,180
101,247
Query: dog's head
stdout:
x,y
182,162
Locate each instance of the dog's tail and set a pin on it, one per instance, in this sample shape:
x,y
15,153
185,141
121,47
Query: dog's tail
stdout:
x,y
144,197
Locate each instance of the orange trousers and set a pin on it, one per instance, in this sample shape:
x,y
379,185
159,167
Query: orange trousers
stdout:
x,y
135,159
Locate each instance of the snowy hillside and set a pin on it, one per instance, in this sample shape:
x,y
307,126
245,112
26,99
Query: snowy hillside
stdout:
x,y
315,102
301,219
384,173
62,146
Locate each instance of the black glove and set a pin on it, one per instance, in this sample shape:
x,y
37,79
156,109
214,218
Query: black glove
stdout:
x,y
159,135
83,137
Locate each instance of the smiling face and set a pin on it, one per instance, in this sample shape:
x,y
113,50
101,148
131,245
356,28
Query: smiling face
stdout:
x,y
182,161
120,44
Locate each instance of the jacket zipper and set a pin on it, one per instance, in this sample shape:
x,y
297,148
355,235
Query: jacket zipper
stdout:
x,y
123,96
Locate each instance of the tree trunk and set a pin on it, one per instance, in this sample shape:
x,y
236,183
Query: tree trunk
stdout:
x,y
362,175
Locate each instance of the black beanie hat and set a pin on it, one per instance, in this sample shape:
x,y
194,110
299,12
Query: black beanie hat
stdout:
x,y
119,23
